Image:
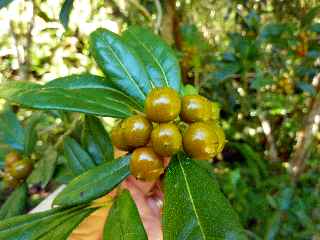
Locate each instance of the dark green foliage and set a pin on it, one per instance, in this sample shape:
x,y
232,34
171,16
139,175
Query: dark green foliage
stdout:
x,y
65,12
15,204
78,159
96,140
94,183
124,221
194,207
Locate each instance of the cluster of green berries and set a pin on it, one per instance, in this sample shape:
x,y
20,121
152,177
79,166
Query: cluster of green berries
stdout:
x,y
17,169
159,133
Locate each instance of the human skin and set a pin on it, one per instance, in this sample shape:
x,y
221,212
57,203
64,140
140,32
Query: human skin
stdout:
x,y
148,198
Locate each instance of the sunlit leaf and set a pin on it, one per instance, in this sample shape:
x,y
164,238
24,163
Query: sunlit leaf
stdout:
x,y
120,63
160,60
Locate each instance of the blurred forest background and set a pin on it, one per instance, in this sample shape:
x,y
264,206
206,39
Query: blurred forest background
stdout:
x,y
259,59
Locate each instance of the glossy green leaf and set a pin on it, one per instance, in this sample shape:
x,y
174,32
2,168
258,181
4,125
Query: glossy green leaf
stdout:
x,y
78,93
77,158
124,221
11,131
194,207
160,60
94,183
15,204
41,225
96,140
64,230
31,134
4,3
310,16
65,12
44,168
120,63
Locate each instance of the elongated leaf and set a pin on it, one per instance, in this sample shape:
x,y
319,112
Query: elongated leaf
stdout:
x,y
94,183
15,204
44,168
159,59
63,231
78,93
41,225
65,12
4,3
31,134
273,226
120,63
309,17
78,159
11,131
97,141
194,207
124,222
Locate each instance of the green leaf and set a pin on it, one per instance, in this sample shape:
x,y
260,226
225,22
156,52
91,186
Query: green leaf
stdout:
x,y
190,90
194,207
11,131
63,231
124,221
310,16
78,93
65,12
41,225
120,63
31,134
78,159
94,183
15,204
160,60
44,168
96,140
306,87
4,3
315,27
273,226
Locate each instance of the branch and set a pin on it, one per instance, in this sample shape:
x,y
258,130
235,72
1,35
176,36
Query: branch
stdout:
x,y
305,136
141,8
266,127
159,16
72,127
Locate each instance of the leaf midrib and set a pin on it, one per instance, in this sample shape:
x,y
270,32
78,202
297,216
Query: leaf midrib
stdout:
x,y
154,58
191,199
125,69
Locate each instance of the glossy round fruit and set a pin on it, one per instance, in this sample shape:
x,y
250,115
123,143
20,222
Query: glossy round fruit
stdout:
x,y
136,131
10,181
218,130
162,105
117,138
166,139
11,158
200,141
20,169
195,108
145,164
